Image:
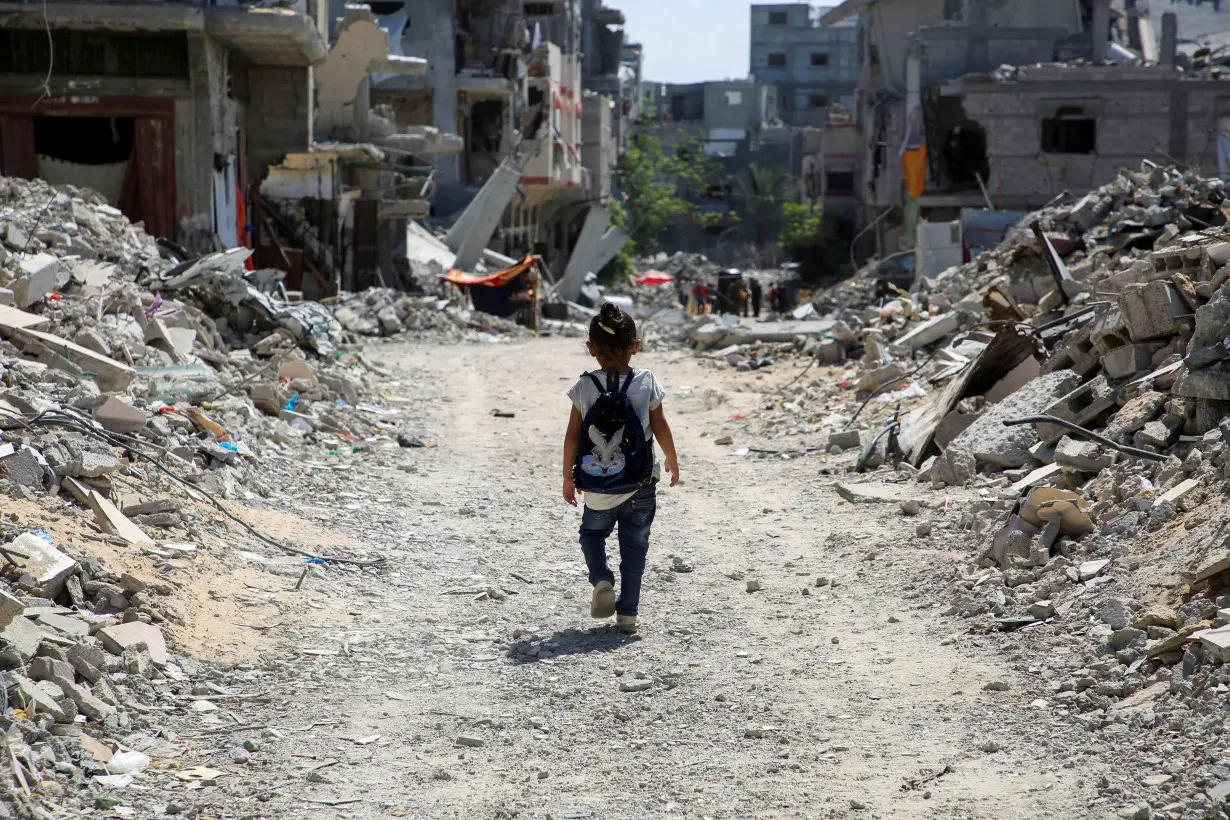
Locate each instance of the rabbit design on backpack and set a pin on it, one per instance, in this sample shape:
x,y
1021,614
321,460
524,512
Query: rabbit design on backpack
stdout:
x,y
606,459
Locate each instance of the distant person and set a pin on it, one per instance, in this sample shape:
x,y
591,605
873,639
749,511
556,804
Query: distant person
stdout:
x,y
756,297
775,298
608,456
745,300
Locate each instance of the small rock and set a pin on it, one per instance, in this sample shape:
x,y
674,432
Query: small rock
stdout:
x,y
724,441
635,685
251,745
823,582
996,686
857,805
989,747
836,641
106,802
753,586
240,755
470,741
923,530
911,507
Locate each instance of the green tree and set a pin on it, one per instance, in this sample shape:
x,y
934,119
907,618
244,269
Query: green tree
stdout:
x,y
656,183
812,240
765,190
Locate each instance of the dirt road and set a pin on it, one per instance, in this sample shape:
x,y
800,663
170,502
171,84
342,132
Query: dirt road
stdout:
x,y
412,692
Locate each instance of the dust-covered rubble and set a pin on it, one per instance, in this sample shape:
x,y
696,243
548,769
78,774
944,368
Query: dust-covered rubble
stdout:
x,y
140,391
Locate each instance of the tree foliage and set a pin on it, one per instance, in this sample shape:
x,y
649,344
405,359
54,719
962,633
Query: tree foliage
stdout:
x,y
812,240
656,183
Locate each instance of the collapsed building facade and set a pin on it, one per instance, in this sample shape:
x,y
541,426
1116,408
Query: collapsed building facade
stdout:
x,y
947,123
169,110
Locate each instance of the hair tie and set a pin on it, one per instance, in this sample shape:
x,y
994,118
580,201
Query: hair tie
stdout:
x,y
607,329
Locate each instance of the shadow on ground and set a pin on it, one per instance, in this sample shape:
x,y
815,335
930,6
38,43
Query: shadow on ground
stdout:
x,y
570,642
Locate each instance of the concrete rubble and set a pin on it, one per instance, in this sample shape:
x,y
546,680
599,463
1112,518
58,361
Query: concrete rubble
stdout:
x,y
1095,541
139,391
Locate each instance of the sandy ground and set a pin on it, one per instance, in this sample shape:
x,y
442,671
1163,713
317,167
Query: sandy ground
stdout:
x,y
795,701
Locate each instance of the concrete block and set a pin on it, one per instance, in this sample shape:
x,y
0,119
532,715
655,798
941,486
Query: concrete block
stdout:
x,y
1207,383
929,332
35,279
119,416
32,697
19,641
1134,415
879,377
88,661
90,706
48,565
10,607
1156,435
1130,359
128,636
1151,310
1083,456
1081,406
846,439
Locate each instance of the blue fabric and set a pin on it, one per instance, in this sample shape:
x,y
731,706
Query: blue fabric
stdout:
x,y
635,518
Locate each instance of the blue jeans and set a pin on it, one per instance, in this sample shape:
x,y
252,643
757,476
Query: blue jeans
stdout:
x,y
635,517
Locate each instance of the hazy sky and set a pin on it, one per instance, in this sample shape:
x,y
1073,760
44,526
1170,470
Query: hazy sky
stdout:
x,y
688,41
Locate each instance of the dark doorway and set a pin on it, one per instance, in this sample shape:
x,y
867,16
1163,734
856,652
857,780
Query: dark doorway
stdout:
x,y
86,140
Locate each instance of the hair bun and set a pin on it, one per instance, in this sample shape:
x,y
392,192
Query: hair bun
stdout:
x,y
611,312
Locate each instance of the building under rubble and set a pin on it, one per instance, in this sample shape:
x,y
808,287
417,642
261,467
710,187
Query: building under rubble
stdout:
x,y
168,109
1009,106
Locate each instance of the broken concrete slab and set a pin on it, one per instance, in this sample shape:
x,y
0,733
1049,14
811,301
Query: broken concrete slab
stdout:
x,y
49,567
1083,456
1002,447
1092,569
118,416
869,493
1179,490
1216,643
12,317
929,332
1036,477
32,697
112,520
1152,310
1134,415
74,627
62,354
19,642
26,467
131,635
10,607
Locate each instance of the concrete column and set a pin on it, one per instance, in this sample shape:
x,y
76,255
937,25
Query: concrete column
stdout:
x,y
1099,32
977,56
194,144
1133,25
1170,38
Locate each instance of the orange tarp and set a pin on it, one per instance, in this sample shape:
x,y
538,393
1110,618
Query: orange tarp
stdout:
x,y
490,280
914,169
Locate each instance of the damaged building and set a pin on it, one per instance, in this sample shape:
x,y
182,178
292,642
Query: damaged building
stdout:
x,y
169,110
967,105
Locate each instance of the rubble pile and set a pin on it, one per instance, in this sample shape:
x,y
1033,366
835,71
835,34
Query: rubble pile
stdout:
x,y
138,391
681,265
1100,330
386,312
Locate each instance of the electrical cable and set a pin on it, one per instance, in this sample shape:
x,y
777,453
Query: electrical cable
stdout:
x,y
59,418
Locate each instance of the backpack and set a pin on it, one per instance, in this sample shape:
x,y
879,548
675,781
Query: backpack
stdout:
x,y
614,455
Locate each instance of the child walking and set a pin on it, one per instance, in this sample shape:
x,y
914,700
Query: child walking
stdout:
x,y
608,456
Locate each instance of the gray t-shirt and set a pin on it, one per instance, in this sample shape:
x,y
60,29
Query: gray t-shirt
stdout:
x,y
645,393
